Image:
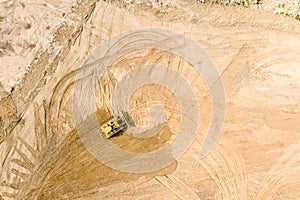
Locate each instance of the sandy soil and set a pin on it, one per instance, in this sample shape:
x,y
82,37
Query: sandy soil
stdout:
x,y
257,53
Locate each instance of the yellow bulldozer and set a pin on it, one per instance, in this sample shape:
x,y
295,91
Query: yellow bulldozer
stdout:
x,y
116,125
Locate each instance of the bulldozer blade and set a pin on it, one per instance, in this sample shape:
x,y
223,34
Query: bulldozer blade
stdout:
x,y
128,118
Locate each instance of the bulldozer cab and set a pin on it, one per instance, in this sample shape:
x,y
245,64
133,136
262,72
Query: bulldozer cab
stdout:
x,y
106,129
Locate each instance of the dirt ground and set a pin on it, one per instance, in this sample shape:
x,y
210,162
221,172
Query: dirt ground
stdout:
x,y
42,156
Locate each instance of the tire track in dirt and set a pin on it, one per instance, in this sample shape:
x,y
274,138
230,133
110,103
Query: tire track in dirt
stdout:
x,y
56,100
37,73
25,160
283,174
179,188
245,77
227,170
19,159
73,168
280,56
17,168
238,80
231,182
61,166
53,110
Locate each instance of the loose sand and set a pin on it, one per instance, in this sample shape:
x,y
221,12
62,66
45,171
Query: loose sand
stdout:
x,y
42,157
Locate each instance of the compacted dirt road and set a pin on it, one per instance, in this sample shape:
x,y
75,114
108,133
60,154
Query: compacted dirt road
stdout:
x,y
257,54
